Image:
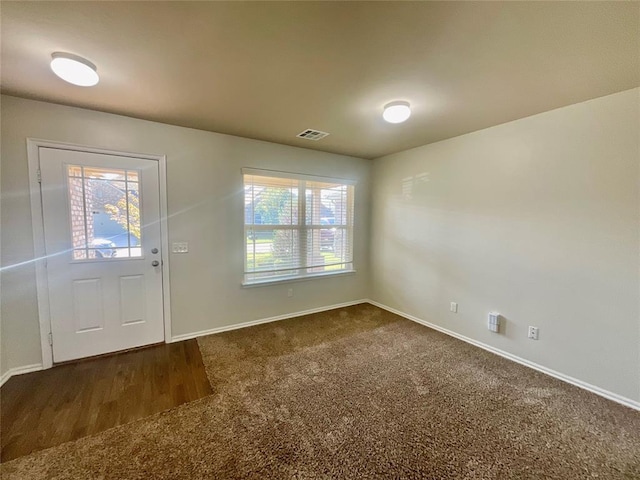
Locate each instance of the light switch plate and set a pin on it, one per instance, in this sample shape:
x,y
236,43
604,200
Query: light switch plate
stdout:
x,y
180,247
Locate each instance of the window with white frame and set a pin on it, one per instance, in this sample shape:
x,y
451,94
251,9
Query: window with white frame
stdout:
x,y
296,226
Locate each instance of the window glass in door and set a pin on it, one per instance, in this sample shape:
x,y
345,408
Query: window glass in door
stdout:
x,y
104,207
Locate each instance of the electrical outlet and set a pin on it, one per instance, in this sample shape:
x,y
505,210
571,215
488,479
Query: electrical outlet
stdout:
x,y
290,292
453,307
533,333
494,322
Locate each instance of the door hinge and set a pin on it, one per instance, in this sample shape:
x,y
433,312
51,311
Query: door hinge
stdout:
x,y
39,176
50,338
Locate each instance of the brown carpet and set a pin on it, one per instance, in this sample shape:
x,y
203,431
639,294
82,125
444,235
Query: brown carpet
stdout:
x,y
359,393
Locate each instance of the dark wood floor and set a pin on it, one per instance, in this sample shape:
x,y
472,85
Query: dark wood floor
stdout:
x,y
43,409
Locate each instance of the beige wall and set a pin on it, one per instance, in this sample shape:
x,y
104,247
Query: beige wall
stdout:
x,y
537,219
205,206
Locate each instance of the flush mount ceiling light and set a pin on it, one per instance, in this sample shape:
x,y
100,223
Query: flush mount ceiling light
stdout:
x,y
396,112
74,69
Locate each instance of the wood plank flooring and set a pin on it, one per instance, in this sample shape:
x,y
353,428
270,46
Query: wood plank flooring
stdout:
x,y
43,409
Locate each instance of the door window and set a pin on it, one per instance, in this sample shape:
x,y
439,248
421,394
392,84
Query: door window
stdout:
x,y
104,205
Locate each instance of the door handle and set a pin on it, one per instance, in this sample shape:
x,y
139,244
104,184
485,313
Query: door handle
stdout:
x,y
155,263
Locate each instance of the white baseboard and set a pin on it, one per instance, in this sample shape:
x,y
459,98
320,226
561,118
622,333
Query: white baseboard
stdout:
x,y
18,371
560,376
188,336
35,367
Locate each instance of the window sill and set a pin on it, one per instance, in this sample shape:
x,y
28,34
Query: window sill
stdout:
x,y
298,278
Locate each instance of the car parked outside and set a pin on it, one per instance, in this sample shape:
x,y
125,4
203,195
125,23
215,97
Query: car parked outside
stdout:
x,y
104,248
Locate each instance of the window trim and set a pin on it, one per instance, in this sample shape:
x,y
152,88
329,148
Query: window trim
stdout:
x,y
301,226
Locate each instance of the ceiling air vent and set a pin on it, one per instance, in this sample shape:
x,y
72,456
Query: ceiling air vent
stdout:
x,y
312,134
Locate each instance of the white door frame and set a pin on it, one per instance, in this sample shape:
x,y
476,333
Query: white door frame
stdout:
x,y
37,222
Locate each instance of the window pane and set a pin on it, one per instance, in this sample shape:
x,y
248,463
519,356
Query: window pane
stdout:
x,y
282,241
271,250
271,201
134,215
78,213
328,249
79,254
103,173
105,212
321,240
326,204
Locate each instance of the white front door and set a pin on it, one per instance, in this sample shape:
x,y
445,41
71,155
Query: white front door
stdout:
x,y
103,245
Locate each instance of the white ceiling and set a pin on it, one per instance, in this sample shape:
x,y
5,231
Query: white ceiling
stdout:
x,y
269,70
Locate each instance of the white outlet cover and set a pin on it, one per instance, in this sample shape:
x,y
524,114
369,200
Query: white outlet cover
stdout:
x,y
453,307
494,322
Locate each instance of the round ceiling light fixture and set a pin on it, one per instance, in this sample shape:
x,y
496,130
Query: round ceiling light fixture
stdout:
x,y
396,112
74,69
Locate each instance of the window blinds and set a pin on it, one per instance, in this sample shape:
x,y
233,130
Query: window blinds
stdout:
x,y
296,225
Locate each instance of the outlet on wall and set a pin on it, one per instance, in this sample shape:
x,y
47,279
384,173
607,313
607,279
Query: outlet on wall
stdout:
x,y
290,292
453,307
533,333
494,322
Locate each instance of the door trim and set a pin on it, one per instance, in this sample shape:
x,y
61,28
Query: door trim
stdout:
x,y
37,223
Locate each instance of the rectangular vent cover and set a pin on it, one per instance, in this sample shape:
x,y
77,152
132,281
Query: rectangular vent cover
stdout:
x,y
312,134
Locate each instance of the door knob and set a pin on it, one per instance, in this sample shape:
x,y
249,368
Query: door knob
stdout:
x,y
155,263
